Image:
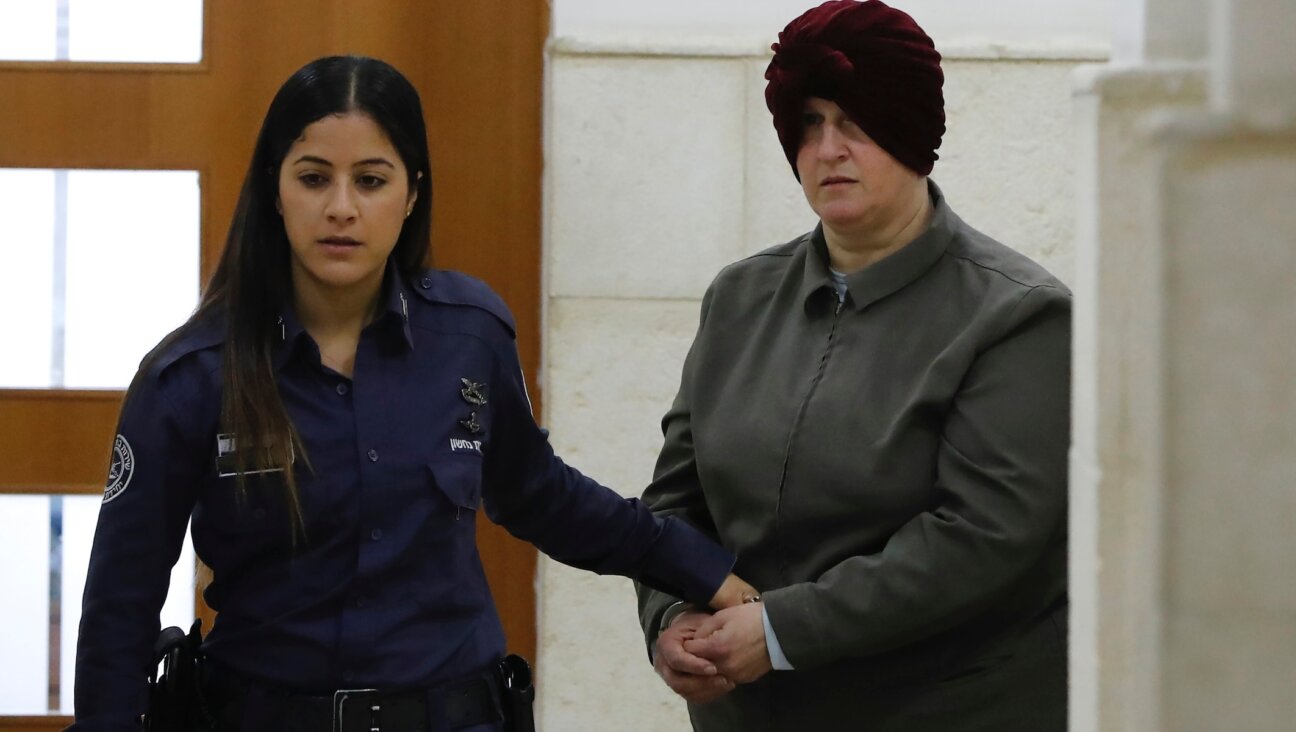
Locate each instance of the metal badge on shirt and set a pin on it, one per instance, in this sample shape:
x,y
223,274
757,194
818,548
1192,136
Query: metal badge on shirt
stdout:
x,y
475,394
227,458
472,392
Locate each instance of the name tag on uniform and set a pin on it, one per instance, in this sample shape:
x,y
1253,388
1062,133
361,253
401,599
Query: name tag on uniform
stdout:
x,y
473,446
227,458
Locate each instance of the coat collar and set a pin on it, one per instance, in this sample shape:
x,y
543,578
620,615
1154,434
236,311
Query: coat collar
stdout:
x,y
889,274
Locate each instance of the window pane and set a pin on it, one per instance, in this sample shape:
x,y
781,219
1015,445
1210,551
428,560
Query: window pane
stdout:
x,y
101,265
135,30
25,613
132,269
146,31
79,516
27,277
44,551
28,30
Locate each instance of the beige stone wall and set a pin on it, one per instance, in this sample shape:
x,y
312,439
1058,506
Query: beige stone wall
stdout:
x,y
1230,499
1183,473
1184,601
661,167
1117,475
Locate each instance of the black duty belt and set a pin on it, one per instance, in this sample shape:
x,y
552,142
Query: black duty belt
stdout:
x,y
472,701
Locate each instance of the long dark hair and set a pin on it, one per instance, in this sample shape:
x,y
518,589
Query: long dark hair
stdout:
x,y
252,282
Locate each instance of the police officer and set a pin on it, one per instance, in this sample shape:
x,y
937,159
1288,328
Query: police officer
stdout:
x,y
331,419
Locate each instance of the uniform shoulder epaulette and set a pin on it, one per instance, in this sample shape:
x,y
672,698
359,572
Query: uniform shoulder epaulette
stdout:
x,y
193,336
447,287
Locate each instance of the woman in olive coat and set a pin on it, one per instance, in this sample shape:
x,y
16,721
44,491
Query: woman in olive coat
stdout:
x,y
874,418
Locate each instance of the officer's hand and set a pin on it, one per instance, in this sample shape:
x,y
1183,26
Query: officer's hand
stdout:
x,y
734,640
694,678
734,591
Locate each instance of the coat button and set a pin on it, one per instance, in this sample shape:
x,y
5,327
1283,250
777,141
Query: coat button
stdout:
x,y
342,389
426,283
376,534
373,456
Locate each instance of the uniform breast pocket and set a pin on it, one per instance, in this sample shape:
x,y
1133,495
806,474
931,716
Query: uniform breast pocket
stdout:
x,y
445,576
241,530
227,508
456,484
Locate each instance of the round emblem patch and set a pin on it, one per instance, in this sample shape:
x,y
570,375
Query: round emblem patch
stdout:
x,y
121,470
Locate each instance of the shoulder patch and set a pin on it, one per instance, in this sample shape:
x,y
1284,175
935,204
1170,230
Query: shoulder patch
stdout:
x,y
448,287
121,469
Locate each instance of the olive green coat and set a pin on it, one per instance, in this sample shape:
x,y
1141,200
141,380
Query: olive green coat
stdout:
x,y
892,475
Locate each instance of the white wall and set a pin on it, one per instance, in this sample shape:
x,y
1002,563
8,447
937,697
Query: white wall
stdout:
x,y
661,167
1183,506
1035,23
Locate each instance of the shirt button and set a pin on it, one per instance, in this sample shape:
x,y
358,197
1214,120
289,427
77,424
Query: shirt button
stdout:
x,y
376,534
426,283
343,389
361,602
373,456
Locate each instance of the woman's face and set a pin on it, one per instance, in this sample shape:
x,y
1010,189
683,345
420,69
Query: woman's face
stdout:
x,y
850,182
344,194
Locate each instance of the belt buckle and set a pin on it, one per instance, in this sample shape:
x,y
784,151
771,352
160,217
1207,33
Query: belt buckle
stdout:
x,y
342,696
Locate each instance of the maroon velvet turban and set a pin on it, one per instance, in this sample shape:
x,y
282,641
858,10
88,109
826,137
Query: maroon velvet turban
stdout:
x,y
875,63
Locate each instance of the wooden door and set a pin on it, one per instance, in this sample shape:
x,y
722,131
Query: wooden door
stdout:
x,y
477,65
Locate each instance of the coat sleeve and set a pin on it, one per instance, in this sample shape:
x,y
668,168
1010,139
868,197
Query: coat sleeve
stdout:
x,y
1001,487
138,538
529,491
676,491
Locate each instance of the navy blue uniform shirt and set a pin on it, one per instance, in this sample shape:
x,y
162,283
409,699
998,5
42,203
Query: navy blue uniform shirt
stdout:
x,y
386,589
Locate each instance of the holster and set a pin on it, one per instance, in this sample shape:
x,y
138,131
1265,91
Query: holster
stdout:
x,y
175,699
518,693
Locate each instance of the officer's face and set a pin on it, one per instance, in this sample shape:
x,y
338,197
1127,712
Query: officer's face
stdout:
x,y
344,194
